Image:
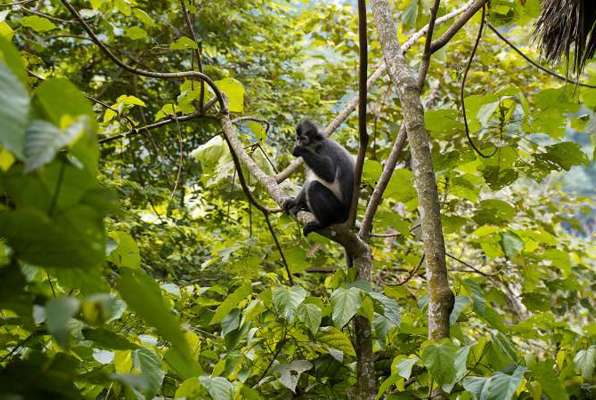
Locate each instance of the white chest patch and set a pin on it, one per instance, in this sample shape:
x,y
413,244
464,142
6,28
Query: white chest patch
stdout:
x,y
333,186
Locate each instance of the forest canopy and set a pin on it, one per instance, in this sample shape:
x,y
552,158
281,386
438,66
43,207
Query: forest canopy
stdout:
x,y
146,160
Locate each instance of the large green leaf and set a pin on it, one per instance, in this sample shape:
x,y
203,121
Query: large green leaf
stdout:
x,y
439,359
43,140
500,386
219,388
345,303
336,339
60,102
71,239
290,373
585,361
310,315
230,303
14,110
234,92
127,253
286,300
544,373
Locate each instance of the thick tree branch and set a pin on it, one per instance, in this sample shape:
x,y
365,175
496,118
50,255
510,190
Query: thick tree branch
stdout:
x,y
406,84
362,100
379,71
365,365
457,25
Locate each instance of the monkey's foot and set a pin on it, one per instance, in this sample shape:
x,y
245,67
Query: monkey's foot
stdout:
x,y
311,227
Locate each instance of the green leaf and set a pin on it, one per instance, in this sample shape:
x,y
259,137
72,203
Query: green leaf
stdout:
x,y
495,212
149,364
439,359
14,110
286,300
108,340
585,361
60,102
10,56
336,339
219,388
512,244
500,386
59,312
345,303
461,369
234,92
230,303
142,16
549,381
401,186
43,140
127,253
564,156
402,365
38,24
290,373
136,33
310,315
71,239
386,384
143,296
183,43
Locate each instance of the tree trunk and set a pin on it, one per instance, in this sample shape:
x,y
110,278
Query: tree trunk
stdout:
x,y
405,82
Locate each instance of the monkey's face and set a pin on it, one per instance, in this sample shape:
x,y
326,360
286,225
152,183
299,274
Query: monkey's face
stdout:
x,y
307,138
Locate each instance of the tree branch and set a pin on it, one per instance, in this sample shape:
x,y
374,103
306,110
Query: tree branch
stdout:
x,y
457,25
406,84
362,100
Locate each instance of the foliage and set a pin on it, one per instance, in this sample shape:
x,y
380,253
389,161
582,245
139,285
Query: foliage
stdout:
x,y
135,268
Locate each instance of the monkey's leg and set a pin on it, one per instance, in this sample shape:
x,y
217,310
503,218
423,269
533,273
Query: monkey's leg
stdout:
x,y
327,208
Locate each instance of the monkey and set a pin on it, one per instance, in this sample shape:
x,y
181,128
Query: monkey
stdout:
x,y
328,187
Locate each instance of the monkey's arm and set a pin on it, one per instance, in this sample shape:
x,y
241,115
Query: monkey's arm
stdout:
x,y
292,206
321,165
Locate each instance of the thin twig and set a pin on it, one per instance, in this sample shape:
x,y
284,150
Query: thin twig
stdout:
x,y
423,70
411,274
197,52
463,86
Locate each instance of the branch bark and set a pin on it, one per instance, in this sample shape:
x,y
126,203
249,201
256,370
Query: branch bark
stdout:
x,y
406,84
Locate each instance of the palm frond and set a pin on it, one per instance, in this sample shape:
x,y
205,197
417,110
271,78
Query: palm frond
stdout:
x,y
567,28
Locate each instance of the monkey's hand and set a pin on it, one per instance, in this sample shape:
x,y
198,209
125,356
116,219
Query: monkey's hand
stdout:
x,y
298,151
289,205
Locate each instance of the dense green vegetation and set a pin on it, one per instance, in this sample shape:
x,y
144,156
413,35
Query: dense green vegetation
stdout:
x,y
133,266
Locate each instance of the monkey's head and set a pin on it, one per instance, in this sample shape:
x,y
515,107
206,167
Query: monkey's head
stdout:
x,y
307,137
